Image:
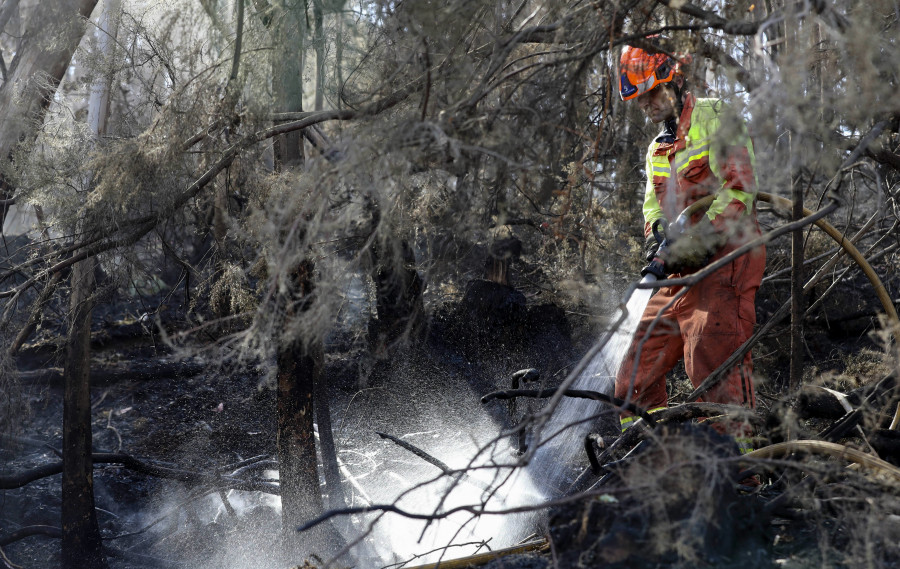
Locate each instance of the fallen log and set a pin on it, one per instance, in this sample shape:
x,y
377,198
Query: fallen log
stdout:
x,y
107,375
28,531
20,479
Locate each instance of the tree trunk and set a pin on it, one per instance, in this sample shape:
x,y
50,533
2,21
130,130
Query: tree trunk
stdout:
x,y
299,369
288,79
299,361
327,447
53,33
319,45
797,141
398,294
81,544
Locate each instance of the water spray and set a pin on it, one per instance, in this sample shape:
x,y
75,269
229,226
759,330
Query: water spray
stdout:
x,y
556,453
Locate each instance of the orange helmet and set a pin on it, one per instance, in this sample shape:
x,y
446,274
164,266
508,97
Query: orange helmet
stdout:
x,y
640,72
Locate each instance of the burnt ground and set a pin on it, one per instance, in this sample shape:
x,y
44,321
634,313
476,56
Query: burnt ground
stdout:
x,y
187,415
658,508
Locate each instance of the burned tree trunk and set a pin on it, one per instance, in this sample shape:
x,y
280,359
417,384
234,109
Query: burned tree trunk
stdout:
x,y
327,447
301,397
501,254
298,366
299,369
81,544
399,306
300,359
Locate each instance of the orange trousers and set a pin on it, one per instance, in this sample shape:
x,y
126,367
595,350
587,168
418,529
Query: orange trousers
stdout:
x,y
705,326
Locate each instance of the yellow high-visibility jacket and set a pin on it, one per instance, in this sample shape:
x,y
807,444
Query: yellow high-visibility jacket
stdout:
x,y
712,154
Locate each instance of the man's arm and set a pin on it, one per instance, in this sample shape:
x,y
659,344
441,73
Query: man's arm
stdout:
x,y
732,161
656,167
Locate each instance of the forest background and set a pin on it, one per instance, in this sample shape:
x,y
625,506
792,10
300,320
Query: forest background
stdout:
x,y
268,187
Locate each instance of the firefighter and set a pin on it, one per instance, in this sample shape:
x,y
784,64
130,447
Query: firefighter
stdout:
x,y
702,150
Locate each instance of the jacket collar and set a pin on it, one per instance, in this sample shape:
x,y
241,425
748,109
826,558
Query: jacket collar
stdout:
x,y
684,121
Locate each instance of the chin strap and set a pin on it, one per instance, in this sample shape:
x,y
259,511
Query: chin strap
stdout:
x,y
670,128
679,96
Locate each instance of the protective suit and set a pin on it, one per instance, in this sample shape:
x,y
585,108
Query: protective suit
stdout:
x,y
706,152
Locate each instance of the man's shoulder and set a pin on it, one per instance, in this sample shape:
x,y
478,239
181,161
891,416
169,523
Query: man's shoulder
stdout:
x,y
710,104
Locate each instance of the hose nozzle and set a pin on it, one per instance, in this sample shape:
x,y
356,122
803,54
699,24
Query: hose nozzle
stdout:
x,y
657,266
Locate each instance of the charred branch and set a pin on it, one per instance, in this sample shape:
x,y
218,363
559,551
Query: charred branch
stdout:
x,y
434,461
416,451
28,531
575,393
840,429
18,480
109,375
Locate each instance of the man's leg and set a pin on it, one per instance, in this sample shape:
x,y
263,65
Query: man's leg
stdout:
x,y
642,376
719,316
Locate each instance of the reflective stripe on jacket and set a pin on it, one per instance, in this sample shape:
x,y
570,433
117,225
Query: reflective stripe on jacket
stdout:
x,y
712,155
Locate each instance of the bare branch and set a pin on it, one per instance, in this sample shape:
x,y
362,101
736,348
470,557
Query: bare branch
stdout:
x,y
739,28
10,481
575,393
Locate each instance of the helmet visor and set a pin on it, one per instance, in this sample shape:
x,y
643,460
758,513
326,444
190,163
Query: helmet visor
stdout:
x,y
641,72
629,90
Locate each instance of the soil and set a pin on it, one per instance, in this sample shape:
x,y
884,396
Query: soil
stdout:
x,y
658,509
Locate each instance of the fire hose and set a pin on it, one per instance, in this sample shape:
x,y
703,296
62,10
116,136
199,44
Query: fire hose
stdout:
x,y
777,201
832,232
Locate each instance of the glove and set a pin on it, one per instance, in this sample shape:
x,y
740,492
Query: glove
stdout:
x,y
655,239
657,268
655,247
694,249
651,246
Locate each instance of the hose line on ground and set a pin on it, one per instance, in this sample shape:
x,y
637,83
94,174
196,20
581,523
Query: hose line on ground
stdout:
x,y
852,251
835,450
